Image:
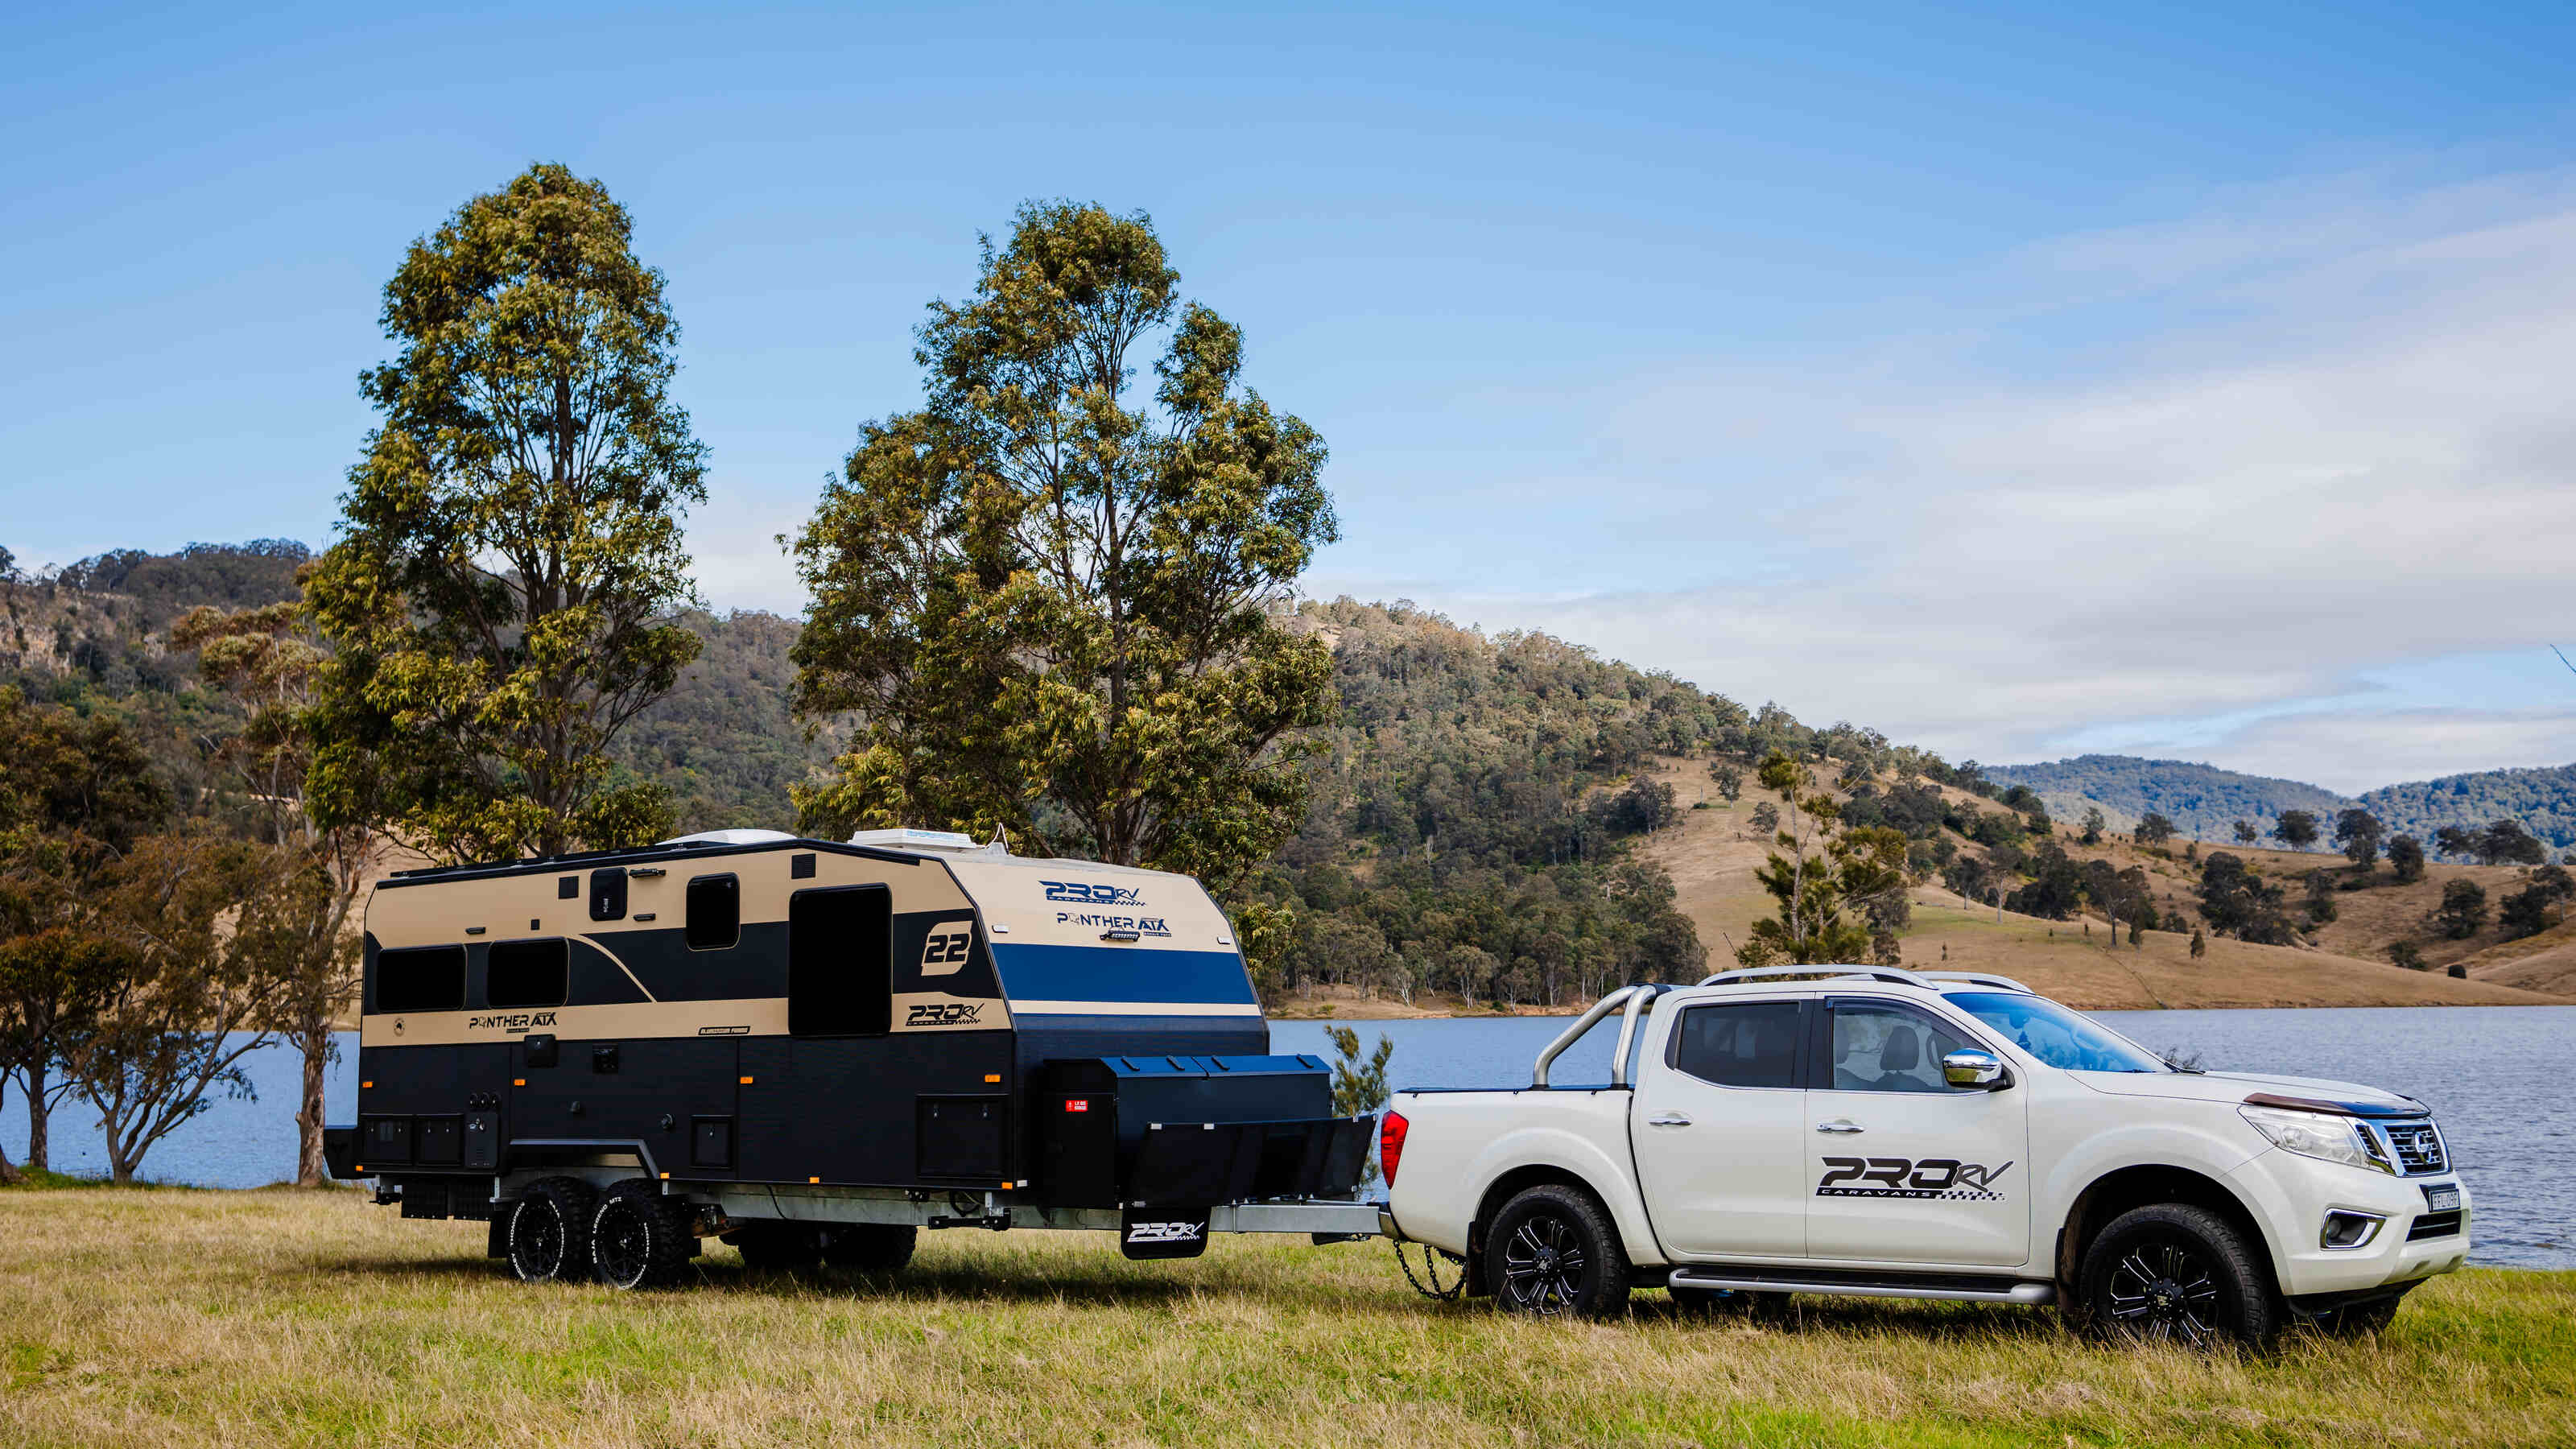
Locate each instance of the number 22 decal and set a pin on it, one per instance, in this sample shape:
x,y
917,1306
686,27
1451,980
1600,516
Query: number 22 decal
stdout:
x,y
945,953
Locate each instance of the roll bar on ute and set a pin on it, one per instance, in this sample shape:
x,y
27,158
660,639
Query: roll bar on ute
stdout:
x,y
1636,1000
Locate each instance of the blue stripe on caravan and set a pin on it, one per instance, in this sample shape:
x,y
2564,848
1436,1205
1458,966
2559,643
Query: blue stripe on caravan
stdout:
x,y
1109,973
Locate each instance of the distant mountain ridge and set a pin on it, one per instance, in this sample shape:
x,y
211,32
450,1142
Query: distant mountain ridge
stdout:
x,y
2204,802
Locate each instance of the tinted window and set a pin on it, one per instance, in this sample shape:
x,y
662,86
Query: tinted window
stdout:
x,y
715,912
527,973
424,978
1889,1049
2058,1035
1752,1045
608,895
838,950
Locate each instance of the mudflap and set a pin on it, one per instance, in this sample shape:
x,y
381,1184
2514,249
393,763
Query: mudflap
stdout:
x,y
1162,1232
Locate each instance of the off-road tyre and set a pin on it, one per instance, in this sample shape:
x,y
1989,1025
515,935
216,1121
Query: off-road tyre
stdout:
x,y
1553,1252
778,1247
873,1248
2174,1273
640,1238
550,1231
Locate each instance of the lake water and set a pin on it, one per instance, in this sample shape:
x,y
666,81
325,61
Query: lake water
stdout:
x,y
2501,1078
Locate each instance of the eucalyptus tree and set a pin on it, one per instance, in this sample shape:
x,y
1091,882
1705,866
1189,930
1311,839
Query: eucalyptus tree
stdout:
x,y
500,601
1046,597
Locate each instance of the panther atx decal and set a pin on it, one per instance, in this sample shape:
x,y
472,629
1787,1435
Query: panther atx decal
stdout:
x,y
1098,895
514,1022
1933,1177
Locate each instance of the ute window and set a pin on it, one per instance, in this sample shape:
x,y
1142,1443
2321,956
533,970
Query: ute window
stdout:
x,y
1751,1045
424,978
838,954
527,973
715,912
2060,1036
1889,1049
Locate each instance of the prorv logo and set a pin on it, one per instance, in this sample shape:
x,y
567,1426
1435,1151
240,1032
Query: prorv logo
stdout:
x,y
1935,1177
1097,895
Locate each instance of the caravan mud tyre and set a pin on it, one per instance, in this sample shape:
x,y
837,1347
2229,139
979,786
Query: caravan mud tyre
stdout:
x,y
1552,1252
870,1247
550,1230
640,1238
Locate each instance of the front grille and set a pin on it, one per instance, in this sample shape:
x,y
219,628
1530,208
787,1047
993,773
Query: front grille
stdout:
x,y
2418,1148
2434,1225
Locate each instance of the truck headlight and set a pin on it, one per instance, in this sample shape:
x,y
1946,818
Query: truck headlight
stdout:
x,y
2319,1134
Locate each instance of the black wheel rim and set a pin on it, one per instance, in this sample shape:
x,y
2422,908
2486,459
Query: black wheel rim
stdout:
x,y
623,1246
2165,1291
1543,1264
538,1243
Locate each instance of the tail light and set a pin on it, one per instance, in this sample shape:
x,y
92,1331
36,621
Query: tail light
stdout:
x,y
1390,1144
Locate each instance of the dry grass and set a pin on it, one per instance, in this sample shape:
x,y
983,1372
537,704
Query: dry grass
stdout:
x,y
1711,856
278,1317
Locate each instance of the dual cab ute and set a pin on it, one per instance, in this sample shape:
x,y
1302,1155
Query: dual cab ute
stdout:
x,y
1874,1132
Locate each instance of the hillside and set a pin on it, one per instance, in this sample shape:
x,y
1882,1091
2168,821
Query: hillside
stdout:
x,y
1712,852
2204,802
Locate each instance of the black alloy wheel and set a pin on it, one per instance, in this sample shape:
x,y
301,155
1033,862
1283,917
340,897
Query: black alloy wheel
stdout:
x,y
549,1237
2173,1273
1552,1252
640,1238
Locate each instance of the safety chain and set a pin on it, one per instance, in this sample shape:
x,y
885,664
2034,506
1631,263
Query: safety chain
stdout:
x,y
1428,1285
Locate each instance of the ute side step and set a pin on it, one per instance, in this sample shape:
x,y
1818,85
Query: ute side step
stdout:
x,y
1959,1288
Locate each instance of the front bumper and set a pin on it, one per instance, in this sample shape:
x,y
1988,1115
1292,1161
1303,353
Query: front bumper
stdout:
x,y
2293,1194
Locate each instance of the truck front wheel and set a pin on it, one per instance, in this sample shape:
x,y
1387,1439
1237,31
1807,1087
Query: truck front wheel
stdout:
x,y
1552,1251
2173,1273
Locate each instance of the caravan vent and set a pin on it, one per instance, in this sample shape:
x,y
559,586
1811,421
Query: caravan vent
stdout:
x,y
910,839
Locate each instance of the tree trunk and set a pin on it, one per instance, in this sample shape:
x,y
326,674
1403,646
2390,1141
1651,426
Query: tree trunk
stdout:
x,y
310,1171
39,1121
8,1173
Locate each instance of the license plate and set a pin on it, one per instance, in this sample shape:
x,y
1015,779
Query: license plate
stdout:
x,y
2442,1199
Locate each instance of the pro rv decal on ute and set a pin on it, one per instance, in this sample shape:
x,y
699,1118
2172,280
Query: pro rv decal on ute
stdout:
x,y
1937,1177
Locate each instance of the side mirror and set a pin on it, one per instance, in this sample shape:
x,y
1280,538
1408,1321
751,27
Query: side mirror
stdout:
x,y
1974,1069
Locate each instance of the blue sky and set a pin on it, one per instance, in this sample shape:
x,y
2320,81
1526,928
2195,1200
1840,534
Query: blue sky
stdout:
x,y
2014,380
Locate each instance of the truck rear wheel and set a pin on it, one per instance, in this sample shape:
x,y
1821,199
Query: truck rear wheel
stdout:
x,y
550,1230
2173,1273
870,1247
640,1238
1552,1251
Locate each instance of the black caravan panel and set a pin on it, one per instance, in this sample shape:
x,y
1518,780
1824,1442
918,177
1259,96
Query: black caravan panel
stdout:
x,y
837,950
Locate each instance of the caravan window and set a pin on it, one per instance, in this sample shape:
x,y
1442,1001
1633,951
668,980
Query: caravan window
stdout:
x,y
527,973
715,912
838,950
425,978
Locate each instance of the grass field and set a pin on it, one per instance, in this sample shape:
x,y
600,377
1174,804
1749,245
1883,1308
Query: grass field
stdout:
x,y
283,1317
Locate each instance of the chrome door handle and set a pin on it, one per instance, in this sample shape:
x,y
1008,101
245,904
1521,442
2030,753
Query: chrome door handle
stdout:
x,y
1838,1126
1668,1119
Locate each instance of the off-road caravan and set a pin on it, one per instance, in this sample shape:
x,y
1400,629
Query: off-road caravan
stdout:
x,y
815,1048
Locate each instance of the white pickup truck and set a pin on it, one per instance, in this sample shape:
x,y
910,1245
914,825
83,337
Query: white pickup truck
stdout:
x,y
1877,1132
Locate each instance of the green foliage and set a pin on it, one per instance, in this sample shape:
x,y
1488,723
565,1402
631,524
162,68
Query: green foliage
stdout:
x,y
1045,600
499,601
2543,800
1820,869
1359,1084
724,742
2296,829
2532,910
2408,955
2154,828
1730,780
2235,901
2463,909
2202,801
2359,833
2406,859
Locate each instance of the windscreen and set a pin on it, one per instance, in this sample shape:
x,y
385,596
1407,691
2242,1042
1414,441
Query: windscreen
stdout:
x,y
2057,1035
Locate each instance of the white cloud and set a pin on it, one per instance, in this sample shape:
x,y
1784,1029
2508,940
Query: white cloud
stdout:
x,y
2362,461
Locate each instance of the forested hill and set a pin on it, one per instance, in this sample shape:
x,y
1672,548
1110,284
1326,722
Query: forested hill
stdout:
x,y
2203,801
2543,800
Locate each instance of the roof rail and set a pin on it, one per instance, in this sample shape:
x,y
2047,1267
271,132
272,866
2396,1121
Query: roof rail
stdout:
x,y
1980,978
1840,973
